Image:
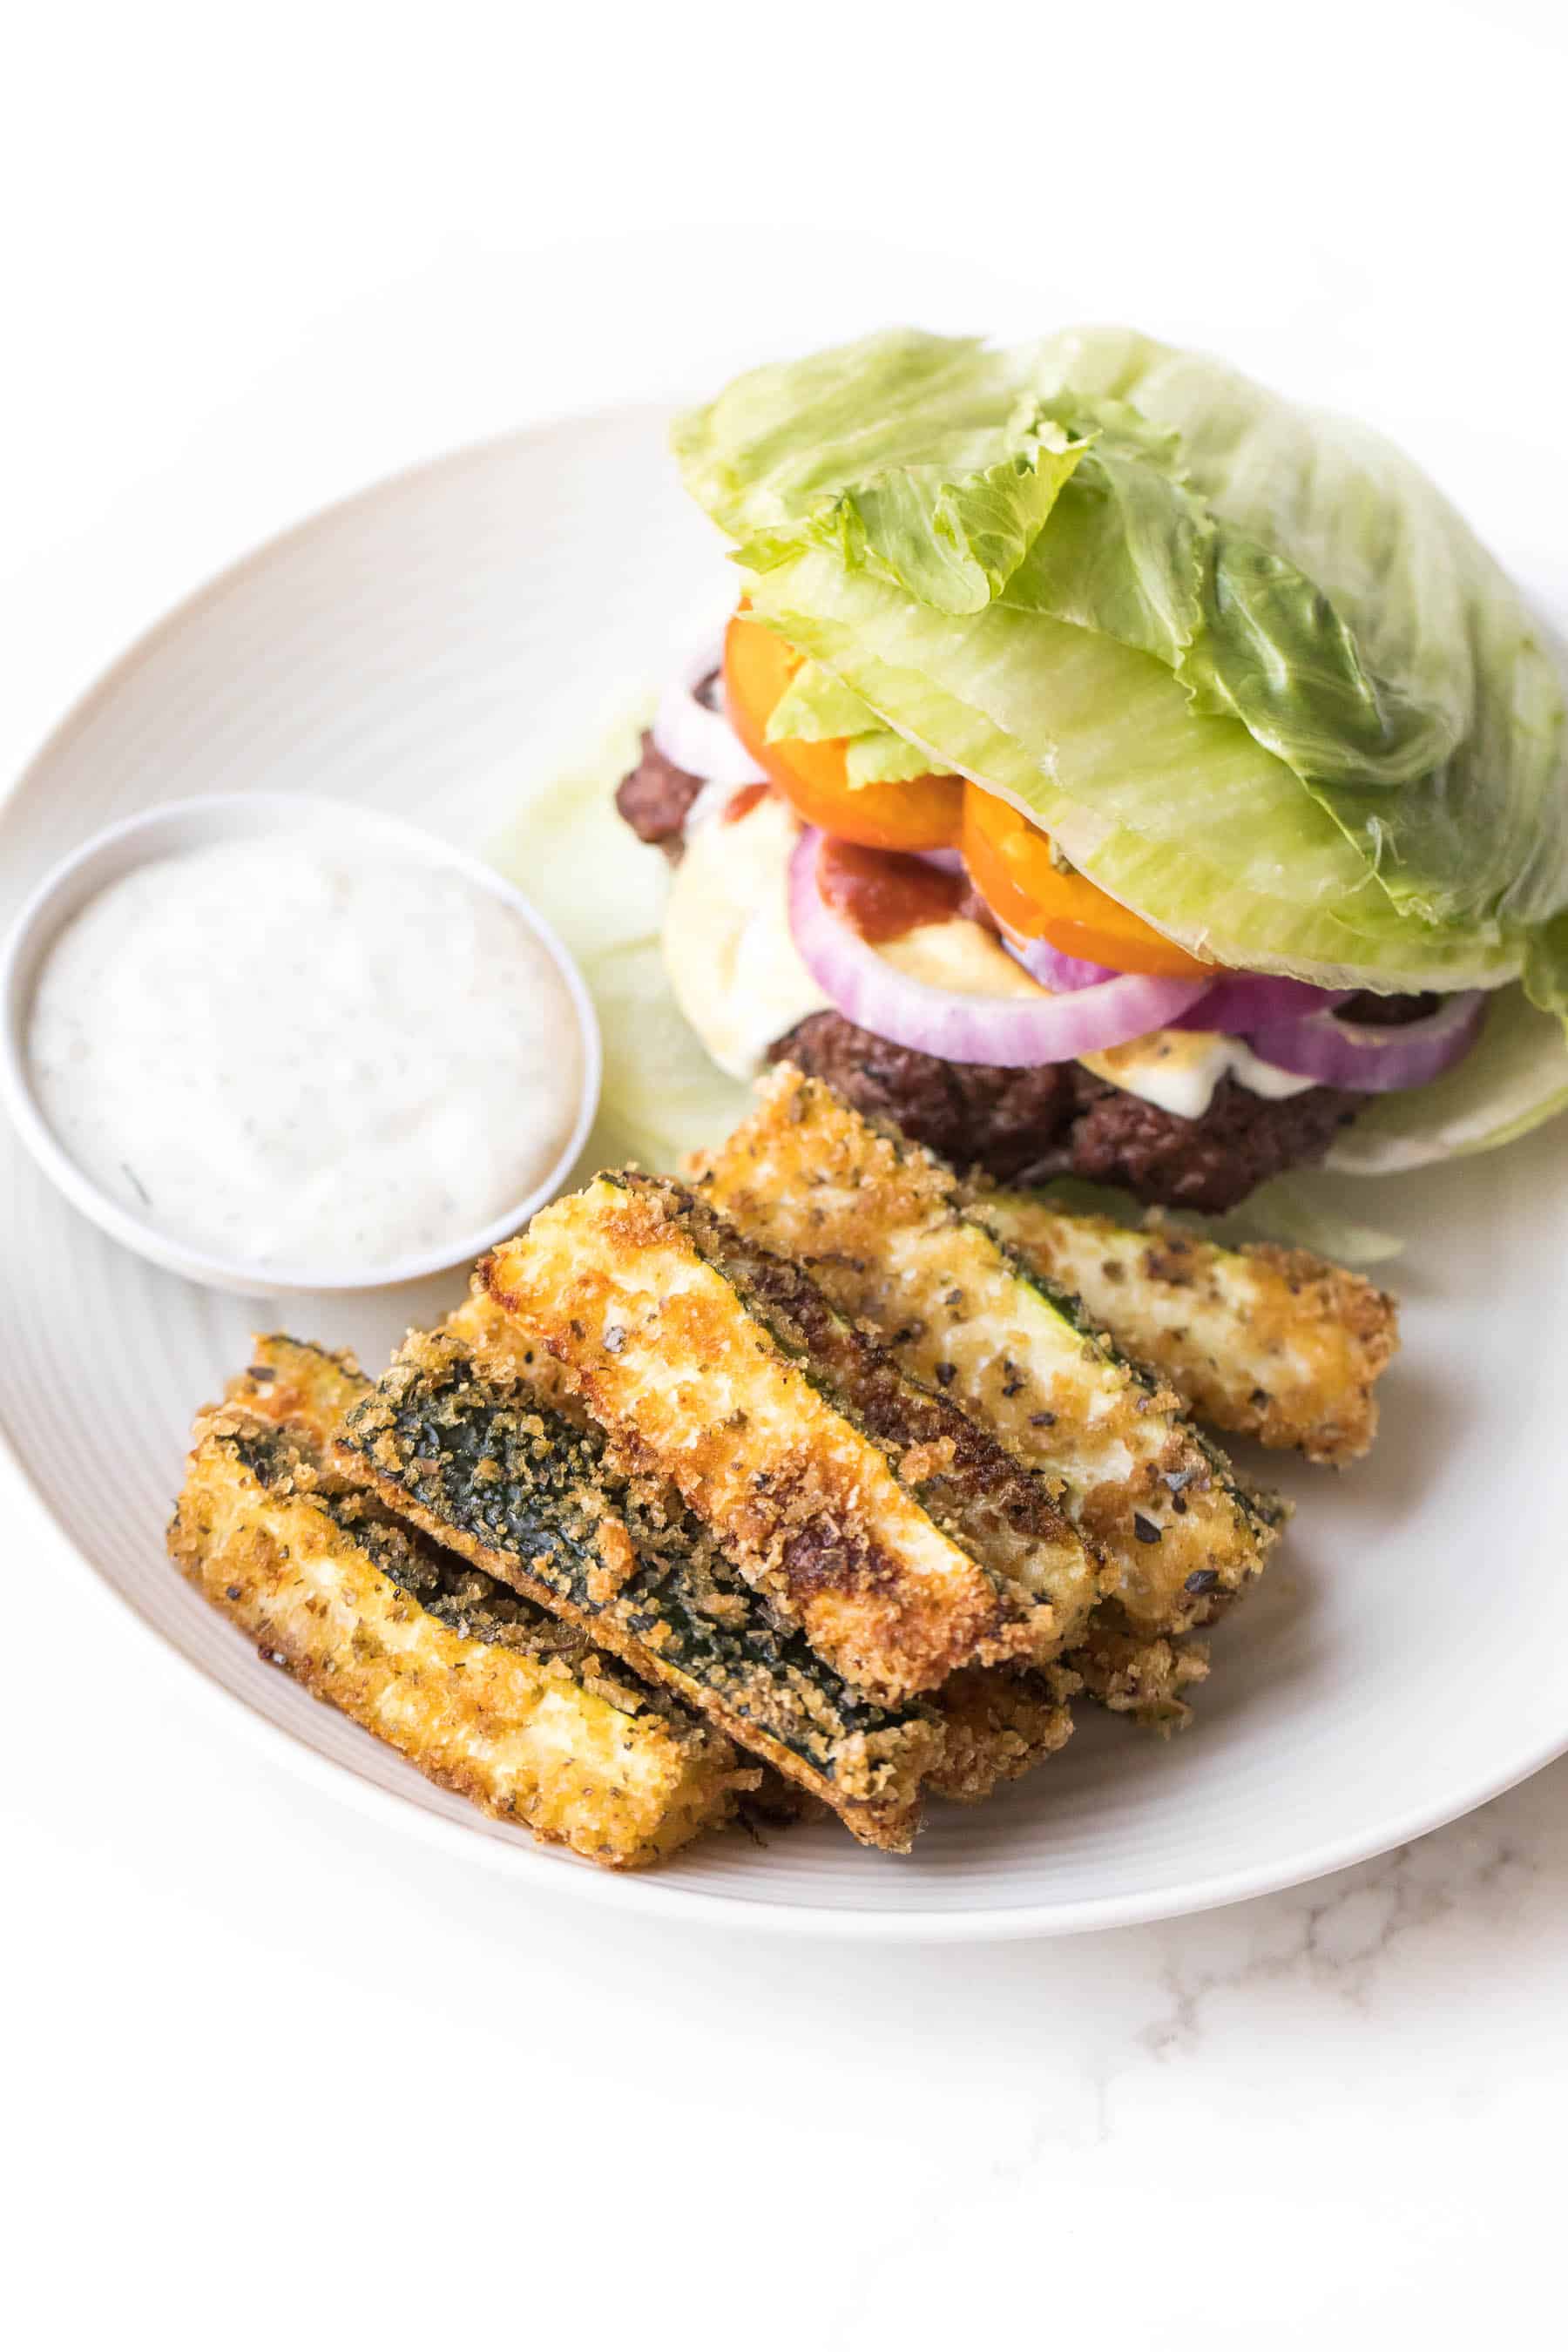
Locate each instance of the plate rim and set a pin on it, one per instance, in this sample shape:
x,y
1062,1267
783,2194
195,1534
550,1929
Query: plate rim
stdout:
x,y
546,1867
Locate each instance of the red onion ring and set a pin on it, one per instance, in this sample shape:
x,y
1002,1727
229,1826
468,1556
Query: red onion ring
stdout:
x,y
698,739
1369,1058
1236,1001
1059,973
1007,1032
1240,1001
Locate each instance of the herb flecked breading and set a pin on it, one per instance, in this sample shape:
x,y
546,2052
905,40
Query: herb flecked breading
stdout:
x,y
1141,1676
839,1460
1006,1513
687,1348
890,1233
486,1469
1263,1342
995,1722
483,1693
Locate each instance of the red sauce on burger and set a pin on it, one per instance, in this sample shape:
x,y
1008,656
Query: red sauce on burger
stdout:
x,y
885,892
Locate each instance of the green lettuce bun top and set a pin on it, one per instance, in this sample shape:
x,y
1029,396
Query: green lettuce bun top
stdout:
x,y
1248,666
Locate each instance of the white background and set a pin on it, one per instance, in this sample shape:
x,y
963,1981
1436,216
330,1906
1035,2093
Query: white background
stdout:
x,y
276,2074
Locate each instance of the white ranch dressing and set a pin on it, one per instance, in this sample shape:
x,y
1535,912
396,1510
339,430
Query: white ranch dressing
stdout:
x,y
297,1054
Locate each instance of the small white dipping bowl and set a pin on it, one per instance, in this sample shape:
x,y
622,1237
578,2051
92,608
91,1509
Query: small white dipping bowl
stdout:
x,y
168,832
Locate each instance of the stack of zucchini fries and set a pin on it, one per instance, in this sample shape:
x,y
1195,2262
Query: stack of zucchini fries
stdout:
x,y
824,1479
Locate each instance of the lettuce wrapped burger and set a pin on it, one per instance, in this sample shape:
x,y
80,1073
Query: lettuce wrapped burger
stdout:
x,y
1111,768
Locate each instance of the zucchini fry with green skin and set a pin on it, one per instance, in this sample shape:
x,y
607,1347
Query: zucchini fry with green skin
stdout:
x,y
1268,1343
682,1349
995,1722
484,1693
1009,1516
891,1235
486,1469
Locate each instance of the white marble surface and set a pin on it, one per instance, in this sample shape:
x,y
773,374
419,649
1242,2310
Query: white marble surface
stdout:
x,y
276,2075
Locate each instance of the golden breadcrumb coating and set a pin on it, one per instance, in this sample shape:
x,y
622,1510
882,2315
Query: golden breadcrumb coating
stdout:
x,y
483,1693
704,1382
890,1235
1268,1343
477,1462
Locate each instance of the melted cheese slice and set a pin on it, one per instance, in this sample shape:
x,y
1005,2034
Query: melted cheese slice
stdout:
x,y
739,982
1178,1070
733,964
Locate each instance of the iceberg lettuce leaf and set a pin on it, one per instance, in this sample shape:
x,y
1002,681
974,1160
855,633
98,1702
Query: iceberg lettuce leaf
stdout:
x,y
952,541
817,707
1039,534
880,757
1358,628
784,441
1294,1210
1265,880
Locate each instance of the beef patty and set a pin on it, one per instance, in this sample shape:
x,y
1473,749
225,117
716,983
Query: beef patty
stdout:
x,y
1022,1126
1027,1124
655,799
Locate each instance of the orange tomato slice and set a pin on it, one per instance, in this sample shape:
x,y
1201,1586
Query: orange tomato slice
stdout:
x,y
924,813
1009,861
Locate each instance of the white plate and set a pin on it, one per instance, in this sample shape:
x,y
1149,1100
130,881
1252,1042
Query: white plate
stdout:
x,y
433,648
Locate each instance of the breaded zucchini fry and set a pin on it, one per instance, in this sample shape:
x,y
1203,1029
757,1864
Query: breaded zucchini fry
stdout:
x,y
485,1468
303,1388
485,1693
1142,1678
1267,1343
726,1375
999,1722
1007,1514
508,1352
994,1722
890,1235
